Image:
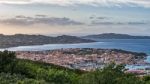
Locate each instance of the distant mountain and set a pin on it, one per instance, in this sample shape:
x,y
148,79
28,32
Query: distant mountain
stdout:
x,y
115,36
24,40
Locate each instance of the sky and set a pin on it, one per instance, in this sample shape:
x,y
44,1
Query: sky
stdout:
x,y
75,17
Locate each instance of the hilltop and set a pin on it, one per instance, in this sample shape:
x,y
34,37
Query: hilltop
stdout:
x,y
25,40
114,36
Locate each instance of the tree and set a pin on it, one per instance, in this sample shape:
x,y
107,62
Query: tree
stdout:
x,y
7,60
111,74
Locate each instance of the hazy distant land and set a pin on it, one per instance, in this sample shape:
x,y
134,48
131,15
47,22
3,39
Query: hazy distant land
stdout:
x,y
25,40
114,36
7,41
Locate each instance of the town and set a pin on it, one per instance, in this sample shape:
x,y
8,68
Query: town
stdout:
x,y
84,59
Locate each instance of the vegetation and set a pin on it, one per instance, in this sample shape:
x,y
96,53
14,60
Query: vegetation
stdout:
x,y
17,71
25,40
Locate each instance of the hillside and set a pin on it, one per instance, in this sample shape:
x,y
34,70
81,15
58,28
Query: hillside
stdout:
x,y
24,40
115,36
19,71
80,58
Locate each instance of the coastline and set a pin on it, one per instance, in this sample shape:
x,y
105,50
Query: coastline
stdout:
x,y
129,45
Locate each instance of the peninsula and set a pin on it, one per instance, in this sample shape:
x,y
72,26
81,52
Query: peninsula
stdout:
x,y
84,58
114,36
26,40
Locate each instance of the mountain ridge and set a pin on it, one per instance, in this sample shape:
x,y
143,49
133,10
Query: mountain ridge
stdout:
x,y
26,40
114,36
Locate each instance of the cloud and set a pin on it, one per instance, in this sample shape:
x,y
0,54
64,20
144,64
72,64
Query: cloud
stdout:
x,y
141,3
22,20
38,15
102,23
39,19
137,23
95,23
94,17
102,17
105,20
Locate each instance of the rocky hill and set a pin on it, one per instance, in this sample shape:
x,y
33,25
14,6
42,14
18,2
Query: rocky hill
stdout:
x,y
24,40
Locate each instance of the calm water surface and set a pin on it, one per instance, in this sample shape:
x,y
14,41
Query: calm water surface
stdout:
x,y
139,45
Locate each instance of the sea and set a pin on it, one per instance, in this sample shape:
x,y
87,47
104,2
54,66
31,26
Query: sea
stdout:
x,y
135,45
